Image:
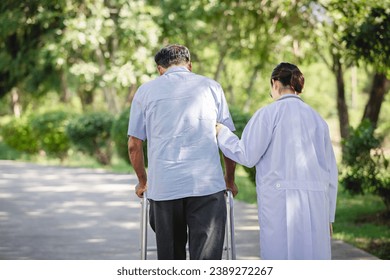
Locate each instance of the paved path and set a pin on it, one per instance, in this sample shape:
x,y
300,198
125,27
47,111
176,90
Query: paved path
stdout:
x,y
58,213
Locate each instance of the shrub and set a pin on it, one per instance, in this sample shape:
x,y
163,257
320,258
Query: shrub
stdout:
x,y
366,167
119,136
91,133
19,135
50,128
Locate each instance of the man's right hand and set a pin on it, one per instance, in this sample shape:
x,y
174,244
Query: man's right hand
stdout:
x,y
140,189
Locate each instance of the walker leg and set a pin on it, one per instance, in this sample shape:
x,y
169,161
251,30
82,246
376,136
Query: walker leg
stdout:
x,y
229,236
144,227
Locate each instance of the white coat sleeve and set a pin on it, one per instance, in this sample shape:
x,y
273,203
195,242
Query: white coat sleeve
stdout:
x,y
333,182
254,141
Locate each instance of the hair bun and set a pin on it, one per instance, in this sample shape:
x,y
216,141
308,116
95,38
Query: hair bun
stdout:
x,y
289,75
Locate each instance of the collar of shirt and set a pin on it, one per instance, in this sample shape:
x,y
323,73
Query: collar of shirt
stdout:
x,y
289,95
176,69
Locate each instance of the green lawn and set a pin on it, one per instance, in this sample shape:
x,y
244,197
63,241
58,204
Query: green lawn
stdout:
x,y
360,221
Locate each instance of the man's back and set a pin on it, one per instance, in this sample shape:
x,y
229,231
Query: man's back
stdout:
x,y
177,114
180,110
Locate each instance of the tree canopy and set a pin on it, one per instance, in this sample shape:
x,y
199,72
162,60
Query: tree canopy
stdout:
x,y
99,51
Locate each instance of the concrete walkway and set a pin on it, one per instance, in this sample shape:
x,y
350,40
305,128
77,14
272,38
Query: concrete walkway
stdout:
x,y
58,213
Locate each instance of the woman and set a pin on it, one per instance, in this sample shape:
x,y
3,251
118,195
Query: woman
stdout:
x,y
296,171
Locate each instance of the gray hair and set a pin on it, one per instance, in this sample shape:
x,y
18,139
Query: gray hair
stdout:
x,y
172,55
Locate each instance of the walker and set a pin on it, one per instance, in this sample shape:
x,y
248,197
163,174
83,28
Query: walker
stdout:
x,y
229,243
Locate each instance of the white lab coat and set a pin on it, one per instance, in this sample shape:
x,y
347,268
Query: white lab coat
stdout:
x,y
296,177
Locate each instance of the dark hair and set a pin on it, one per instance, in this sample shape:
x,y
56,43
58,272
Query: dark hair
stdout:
x,y
172,55
289,75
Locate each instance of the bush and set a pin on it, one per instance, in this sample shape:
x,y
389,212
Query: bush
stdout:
x,y
19,135
366,167
119,136
50,128
91,133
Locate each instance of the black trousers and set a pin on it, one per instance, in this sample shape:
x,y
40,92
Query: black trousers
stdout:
x,y
204,217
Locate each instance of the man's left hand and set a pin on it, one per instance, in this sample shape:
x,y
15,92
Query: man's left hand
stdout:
x,y
231,186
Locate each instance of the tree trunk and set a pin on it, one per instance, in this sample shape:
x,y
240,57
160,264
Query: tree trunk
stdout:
x,y
65,92
220,65
354,88
109,96
342,107
250,87
16,107
109,92
377,94
86,97
130,94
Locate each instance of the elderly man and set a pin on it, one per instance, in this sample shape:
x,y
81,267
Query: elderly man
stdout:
x,y
177,113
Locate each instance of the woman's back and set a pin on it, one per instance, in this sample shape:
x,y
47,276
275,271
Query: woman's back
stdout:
x,y
298,143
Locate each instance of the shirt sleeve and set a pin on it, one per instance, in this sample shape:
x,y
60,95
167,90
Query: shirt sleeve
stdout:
x,y
224,116
253,144
137,127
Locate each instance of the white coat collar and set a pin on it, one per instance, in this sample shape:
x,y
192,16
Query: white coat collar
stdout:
x,y
288,95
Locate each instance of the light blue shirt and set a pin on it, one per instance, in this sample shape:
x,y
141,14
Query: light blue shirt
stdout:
x,y
177,113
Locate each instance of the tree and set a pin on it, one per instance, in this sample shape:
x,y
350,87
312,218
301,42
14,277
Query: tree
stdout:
x,y
352,32
366,164
358,32
106,48
369,41
327,23
91,48
25,29
234,41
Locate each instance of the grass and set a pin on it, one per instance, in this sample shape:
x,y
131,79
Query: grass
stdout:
x,y
362,222
75,159
359,219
